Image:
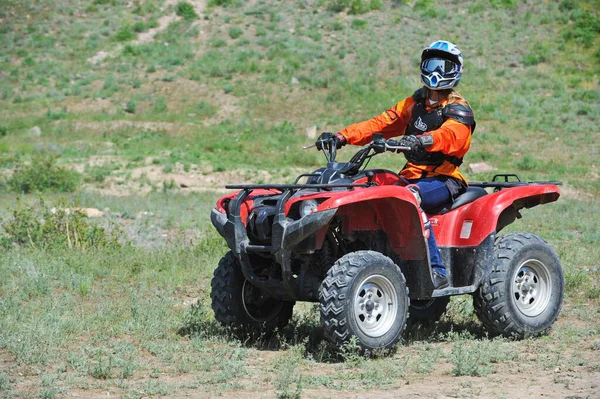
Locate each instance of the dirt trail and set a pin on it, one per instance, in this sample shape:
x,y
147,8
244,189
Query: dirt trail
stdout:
x,y
148,36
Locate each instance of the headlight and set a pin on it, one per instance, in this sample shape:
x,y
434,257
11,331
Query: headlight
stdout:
x,y
307,207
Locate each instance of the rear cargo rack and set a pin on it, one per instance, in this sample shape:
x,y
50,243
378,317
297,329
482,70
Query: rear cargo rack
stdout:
x,y
507,183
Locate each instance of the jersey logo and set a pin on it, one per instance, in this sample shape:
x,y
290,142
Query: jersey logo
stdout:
x,y
419,124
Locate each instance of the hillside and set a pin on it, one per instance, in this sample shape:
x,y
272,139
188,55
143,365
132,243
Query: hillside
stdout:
x,y
146,109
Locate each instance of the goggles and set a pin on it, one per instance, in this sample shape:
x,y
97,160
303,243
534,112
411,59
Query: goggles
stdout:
x,y
440,65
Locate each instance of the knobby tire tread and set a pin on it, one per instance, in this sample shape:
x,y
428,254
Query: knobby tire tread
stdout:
x,y
332,296
227,304
491,305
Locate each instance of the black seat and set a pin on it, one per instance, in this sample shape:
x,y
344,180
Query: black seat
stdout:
x,y
470,195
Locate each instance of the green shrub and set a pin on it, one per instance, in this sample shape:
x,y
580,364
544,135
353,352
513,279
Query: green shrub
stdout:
x,y
503,3
539,53
125,34
354,7
567,5
212,3
3,131
585,28
45,227
139,27
235,32
186,11
358,24
467,361
130,107
160,105
55,115
43,175
98,173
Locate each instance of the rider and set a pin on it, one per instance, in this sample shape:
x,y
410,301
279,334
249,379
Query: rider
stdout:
x,y
436,123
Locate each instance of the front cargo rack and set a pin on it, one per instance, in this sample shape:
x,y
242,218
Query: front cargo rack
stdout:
x,y
283,187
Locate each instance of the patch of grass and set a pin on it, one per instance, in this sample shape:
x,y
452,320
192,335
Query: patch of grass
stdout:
x,y
98,173
541,52
354,7
585,26
358,23
288,383
186,11
56,227
125,34
5,384
130,107
43,175
235,32
213,3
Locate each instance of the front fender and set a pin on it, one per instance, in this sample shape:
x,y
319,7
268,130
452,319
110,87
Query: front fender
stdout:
x,y
470,224
391,209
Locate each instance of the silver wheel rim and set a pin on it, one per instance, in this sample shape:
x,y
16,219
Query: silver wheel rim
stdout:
x,y
262,299
531,287
375,306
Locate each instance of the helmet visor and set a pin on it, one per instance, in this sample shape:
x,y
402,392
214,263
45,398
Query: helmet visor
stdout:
x,y
440,65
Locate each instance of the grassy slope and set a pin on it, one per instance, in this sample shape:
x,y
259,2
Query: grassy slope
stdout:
x,y
221,87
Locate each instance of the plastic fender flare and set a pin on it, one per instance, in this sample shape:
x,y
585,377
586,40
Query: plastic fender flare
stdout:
x,y
469,225
392,209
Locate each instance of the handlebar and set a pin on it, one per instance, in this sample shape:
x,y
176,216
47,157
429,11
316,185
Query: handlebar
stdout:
x,y
378,145
395,146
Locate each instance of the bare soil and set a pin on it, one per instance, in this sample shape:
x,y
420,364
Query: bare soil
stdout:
x,y
530,375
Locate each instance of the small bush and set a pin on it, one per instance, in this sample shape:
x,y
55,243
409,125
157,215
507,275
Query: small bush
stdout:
x,y
160,105
130,107
358,24
212,3
186,11
3,131
45,227
125,34
538,54
354,7
97,174
585,28
55,115
468,360
43,175
139,27
503,3
235,32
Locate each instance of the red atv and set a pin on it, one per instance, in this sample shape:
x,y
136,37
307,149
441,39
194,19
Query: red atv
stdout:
x,y
353,240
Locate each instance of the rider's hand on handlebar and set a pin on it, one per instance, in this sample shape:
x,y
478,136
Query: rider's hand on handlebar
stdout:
x,y
327,140
413,142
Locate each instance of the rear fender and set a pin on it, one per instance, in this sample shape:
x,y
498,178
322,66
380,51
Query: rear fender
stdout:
x,y
469,225
391,209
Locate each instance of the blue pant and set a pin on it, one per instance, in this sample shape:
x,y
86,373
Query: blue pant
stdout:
x,y
434,193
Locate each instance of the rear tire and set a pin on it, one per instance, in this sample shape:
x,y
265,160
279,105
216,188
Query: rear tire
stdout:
x,y
427,310
524,292
243,307
364,295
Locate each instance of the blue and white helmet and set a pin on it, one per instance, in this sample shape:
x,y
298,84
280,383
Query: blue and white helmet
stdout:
x,y
441,65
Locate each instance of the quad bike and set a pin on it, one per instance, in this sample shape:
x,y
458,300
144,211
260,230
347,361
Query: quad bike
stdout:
x,y
353,240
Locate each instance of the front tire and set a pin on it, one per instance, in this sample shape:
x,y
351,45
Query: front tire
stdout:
x,y
364,295
243,307
524,292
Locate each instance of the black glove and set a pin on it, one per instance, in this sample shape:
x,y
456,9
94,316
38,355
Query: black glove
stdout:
x,y
413,142
327,139
378,143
